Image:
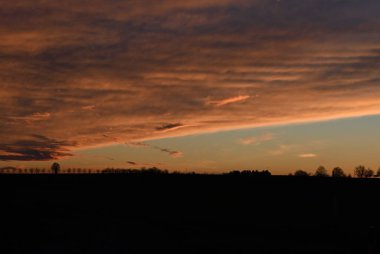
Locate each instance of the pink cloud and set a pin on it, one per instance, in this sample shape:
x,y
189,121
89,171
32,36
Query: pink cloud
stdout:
x,y
307,155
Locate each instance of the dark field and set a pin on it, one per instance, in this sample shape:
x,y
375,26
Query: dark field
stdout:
x,y
188,214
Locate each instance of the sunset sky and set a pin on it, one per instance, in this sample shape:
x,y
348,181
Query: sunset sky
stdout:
x,y
206,86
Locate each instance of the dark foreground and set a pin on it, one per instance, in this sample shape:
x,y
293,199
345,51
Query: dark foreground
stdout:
x,y
188,214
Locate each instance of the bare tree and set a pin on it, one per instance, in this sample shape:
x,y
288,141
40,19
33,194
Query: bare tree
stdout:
x,y
359,171
363,172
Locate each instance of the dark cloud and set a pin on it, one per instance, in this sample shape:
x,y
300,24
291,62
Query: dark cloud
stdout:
x,y
99,72
137,144
36,148
174,154
168,126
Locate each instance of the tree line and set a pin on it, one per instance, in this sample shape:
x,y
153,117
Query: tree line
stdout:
x,y
359,172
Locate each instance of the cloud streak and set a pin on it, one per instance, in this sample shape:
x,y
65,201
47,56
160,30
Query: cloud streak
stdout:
x,y
172,153
307,155
168,127
256,139
219,103
120,71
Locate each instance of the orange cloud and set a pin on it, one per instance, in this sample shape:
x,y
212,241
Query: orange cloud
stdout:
x,y
223,102
148,67
34,117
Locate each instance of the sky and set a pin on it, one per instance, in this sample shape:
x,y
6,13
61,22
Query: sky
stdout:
x,y
208,85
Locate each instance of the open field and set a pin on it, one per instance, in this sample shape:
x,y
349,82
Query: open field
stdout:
x,y
188,214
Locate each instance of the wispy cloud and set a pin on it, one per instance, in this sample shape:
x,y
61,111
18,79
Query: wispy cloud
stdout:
x,y
33,117
281,149
139,164
169,126
307,155
256,139
137,144
172,153
222,102
89,107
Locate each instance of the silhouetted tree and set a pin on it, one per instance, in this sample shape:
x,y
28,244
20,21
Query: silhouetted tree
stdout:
x,y
378,173
362,172
368,173
266,173
338,172
301,173
321,172
55,168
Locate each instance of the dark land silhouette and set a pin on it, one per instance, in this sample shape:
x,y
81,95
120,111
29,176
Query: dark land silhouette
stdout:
x,y
153,211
